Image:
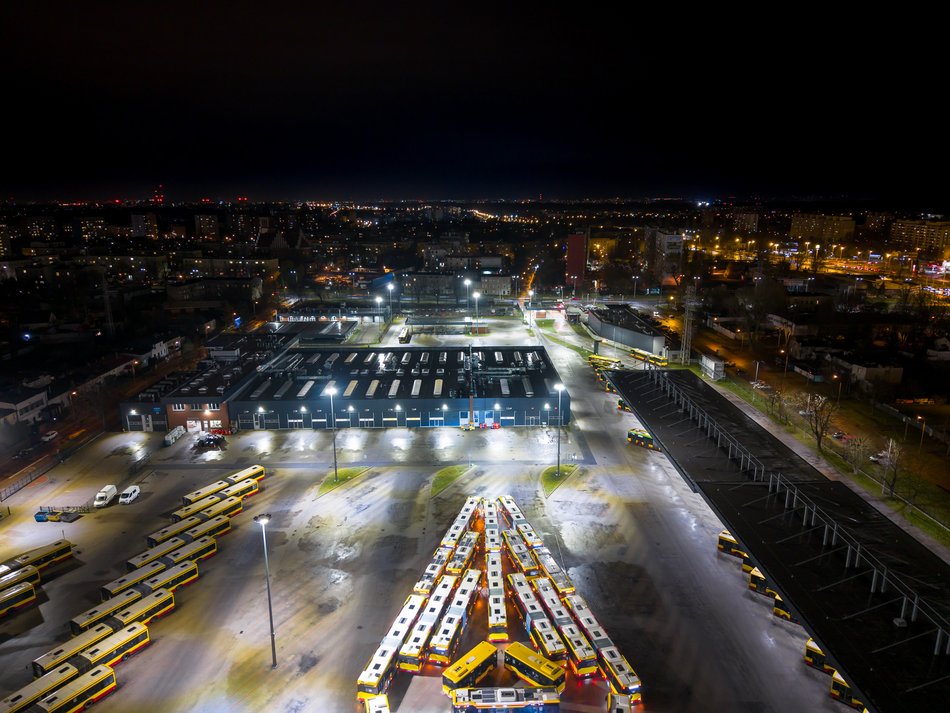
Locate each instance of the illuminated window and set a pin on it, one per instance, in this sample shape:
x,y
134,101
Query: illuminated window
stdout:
x,y
179,407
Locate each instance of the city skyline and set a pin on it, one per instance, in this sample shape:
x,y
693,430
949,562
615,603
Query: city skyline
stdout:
x,y
408,104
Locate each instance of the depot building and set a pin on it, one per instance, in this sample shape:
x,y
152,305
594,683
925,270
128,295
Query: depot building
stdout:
x,y
278,385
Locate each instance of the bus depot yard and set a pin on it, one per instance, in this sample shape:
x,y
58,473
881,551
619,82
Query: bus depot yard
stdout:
x,y
437,615
626,530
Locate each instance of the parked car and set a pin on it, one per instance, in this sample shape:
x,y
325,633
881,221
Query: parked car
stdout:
x,y
129,494
49,436
105,496
839,435
210,440
23,452
805,414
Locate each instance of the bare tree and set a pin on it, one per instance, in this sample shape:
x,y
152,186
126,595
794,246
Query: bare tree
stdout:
x,y
857,453
818,411
894,454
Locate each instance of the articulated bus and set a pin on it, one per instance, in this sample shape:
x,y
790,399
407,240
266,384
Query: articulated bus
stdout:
x,y
16,597
727,544
202,548
642,438
117,586
62,653
201,493
40,557
26,574
81,692
602,362
497,611
648,357
759,585
214,527
170,579
619,673
98,613
815,658
255,471
548,641
581,655
56,677
451,537
521,557
173,530
228,507
587,623
150,555
445,639
114,648
245,489
149,607
537,700
841,691
412,654
471,668
533,668
782,611
405,335
433,571
511,511
195,508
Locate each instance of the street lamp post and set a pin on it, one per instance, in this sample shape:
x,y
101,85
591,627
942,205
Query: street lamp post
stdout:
x,y
476,295
262,520
547,407
468,284
390,288
331,391
379,301
923,430
840,384
559,388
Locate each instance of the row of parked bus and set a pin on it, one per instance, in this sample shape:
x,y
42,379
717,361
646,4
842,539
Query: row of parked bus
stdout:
x,y
20,575
814,656
79,672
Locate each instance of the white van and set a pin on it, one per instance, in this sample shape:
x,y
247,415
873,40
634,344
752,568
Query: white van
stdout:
x,y
105,496
129,494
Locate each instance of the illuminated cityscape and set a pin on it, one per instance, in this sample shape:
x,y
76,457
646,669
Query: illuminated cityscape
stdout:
x,y
387,360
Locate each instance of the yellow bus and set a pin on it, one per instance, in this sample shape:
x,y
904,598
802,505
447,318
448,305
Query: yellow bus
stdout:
x,y
202,548
91,617
245,489
649,357
115,647
602,362
536,700
841,691
80,693
548,641
170,579
471,668
16,597
117,586
642,438
201,493
759,585
229,507
62,653
40,557
377,704
620,675
25,574
160,550
195,508
214,527
173,530
378,672
815,658
255,471
149,607
533,668
582,657
782,611
39,688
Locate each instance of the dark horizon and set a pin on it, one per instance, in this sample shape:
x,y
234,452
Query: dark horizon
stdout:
x,y
404,104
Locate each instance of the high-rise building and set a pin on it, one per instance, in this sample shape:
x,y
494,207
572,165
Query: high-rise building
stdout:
x,y
576,262
90,228
6,240
928,235
145,226
745,222
815,226
39,228
206,227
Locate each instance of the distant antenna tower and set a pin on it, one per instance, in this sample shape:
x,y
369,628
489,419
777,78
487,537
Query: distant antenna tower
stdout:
x,y
689,306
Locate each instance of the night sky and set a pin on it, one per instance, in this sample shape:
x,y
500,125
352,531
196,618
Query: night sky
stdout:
x,y
352,102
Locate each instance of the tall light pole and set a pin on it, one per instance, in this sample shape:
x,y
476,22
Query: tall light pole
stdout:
x,y
468,283
262,520
559,388
530,312
923,430
331,391
476,295
840,384
390,288
379,301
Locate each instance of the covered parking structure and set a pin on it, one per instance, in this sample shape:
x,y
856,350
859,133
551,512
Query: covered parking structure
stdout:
x,y
874,599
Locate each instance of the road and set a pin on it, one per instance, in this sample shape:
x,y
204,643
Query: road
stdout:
x,y
638,544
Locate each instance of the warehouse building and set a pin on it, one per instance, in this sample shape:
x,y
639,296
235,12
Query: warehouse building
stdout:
x,y
485,387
